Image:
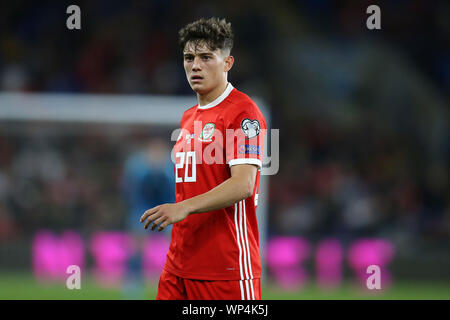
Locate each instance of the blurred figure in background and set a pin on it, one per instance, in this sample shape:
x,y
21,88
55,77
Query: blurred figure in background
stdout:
x,y
148,179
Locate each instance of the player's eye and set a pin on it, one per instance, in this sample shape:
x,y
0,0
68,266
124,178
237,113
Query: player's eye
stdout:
x,y
188,58
206,58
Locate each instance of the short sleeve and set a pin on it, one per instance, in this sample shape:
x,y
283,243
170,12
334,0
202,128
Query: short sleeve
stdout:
x,y
245,135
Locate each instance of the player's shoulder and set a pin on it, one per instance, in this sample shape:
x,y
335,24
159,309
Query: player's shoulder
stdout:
x,y
189,111
240,102
239,98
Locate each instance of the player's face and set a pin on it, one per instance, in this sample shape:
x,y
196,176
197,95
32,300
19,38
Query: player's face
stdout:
x,y
205,69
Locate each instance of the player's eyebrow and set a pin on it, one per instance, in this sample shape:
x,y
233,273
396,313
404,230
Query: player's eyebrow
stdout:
x,y
198,53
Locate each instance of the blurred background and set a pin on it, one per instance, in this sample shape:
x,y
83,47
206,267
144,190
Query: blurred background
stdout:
x,y
86,118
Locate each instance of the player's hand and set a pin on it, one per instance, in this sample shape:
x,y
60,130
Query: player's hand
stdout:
x,y
164,215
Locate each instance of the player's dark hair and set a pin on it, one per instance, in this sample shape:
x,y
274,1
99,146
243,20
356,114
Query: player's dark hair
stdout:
x,y
214,32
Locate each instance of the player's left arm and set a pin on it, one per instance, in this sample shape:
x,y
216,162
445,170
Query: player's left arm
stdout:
x,y
236,188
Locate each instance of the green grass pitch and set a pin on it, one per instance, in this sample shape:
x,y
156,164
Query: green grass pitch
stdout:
x,y
24,286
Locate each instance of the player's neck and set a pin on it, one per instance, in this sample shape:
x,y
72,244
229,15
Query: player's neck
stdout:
x,y
205,99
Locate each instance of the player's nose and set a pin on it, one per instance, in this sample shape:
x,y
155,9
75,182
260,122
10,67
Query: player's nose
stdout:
x,y
196,64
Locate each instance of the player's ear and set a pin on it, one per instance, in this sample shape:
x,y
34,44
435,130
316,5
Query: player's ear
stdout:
x,y
229,61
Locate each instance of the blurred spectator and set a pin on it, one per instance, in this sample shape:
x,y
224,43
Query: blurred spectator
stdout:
x,y
148,180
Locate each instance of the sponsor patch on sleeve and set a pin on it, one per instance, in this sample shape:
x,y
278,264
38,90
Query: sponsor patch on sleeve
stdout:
x,y
249,149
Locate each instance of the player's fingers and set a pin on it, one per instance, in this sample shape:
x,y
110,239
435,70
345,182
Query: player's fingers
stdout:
x,y
163,225
158,221
145,215
148,213
151,218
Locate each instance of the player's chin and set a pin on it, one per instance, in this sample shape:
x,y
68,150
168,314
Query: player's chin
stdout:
x,y
198,87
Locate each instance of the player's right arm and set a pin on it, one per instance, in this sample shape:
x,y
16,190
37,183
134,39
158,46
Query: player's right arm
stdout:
x,y
236,188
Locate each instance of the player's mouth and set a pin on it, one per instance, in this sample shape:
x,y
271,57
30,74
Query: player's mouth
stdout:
x,y
196,78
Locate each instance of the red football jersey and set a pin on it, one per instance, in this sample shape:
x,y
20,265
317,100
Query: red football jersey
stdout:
x,y
221,244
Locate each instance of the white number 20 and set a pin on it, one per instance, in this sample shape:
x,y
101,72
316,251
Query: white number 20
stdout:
x,y
181,164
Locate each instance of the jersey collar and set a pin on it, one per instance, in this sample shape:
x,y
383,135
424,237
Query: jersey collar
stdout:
x,y
219,99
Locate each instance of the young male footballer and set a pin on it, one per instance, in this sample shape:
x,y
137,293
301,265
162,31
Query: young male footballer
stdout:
x,y
214,249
